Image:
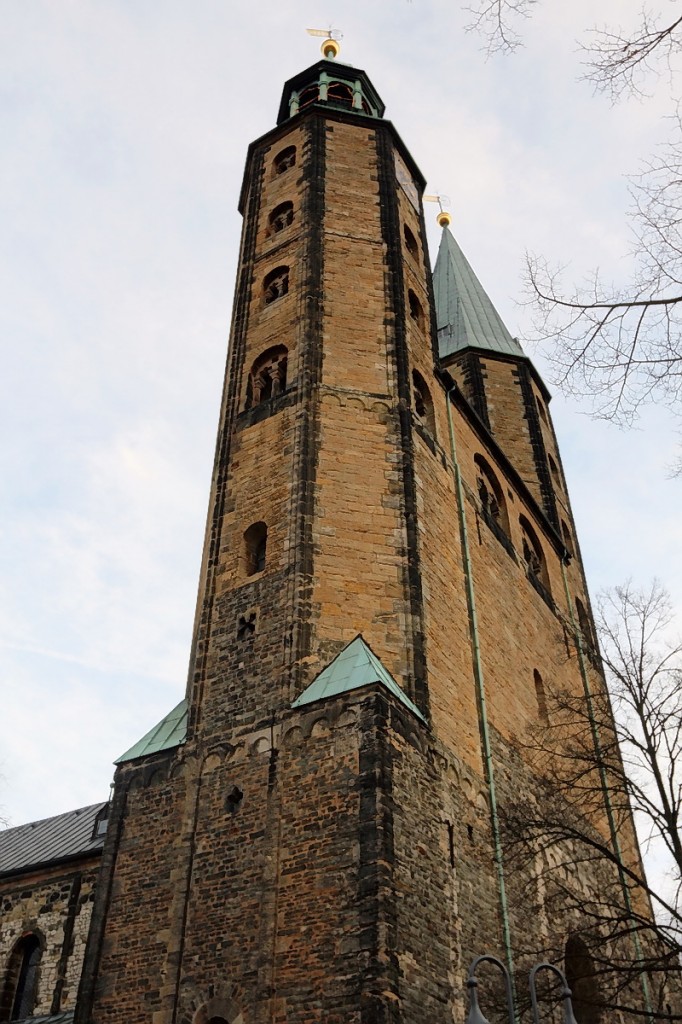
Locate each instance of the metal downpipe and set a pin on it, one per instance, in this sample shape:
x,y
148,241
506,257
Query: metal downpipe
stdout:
x,y
480,692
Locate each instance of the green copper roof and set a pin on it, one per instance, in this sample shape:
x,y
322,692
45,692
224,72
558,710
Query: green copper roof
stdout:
x,y
171,731
465,316
356,666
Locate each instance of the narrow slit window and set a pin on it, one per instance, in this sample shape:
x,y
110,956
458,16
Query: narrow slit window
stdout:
x,y
554,472
410,242
534,558
585,624
422,403
255,548
491,497
416,311
540,696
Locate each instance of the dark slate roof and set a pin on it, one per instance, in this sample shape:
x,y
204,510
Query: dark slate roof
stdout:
x,y
465,316
50,840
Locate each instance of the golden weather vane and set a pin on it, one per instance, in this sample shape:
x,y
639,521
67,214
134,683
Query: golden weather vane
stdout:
x,y
444,217
331,46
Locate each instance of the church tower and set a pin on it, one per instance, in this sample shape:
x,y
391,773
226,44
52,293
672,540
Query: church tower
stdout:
x,y
390,580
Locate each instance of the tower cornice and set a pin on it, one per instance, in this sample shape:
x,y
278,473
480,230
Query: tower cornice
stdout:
x,y
328,114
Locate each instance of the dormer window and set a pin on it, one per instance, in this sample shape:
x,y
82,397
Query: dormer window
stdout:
x,y
101,822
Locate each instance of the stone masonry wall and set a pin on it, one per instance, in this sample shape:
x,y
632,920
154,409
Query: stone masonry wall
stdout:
x,y
55,905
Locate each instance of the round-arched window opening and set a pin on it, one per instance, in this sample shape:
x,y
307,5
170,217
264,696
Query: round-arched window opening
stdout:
x,y
284,160
308,96
275,285
554,471
410,242
340,95
20,990
491,496
580,975
533,555
268,376
541,409
280,218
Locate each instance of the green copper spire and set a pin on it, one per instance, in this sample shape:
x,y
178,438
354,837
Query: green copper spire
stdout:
x,y
465,316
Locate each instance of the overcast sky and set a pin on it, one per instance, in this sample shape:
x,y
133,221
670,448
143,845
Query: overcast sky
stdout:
x,y
123,132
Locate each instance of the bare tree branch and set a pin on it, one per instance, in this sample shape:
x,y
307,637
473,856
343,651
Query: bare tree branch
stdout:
x,y
562,829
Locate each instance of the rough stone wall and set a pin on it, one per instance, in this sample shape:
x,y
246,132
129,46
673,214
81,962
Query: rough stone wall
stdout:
x,y
55,905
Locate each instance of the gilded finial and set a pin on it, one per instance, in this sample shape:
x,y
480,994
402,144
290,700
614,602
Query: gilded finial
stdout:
x,y
331,47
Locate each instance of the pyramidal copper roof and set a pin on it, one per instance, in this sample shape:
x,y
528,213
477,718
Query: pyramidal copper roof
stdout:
x,y
170,732
465,316
356,666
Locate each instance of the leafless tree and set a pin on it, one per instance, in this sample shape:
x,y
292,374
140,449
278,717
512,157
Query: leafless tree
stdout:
x,y
620,347
604,755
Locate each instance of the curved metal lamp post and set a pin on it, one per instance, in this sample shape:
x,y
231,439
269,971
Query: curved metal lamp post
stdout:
x,y
475,1016
565,994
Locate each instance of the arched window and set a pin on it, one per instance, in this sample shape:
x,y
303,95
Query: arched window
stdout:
x,y
579,969
491,497
20,990
280,218
540,696
541,409
308,96
275,284
255,548
416,311
410,242
554,471
340,95
284,160
268,376
568,539
533,557
585,624
422,405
